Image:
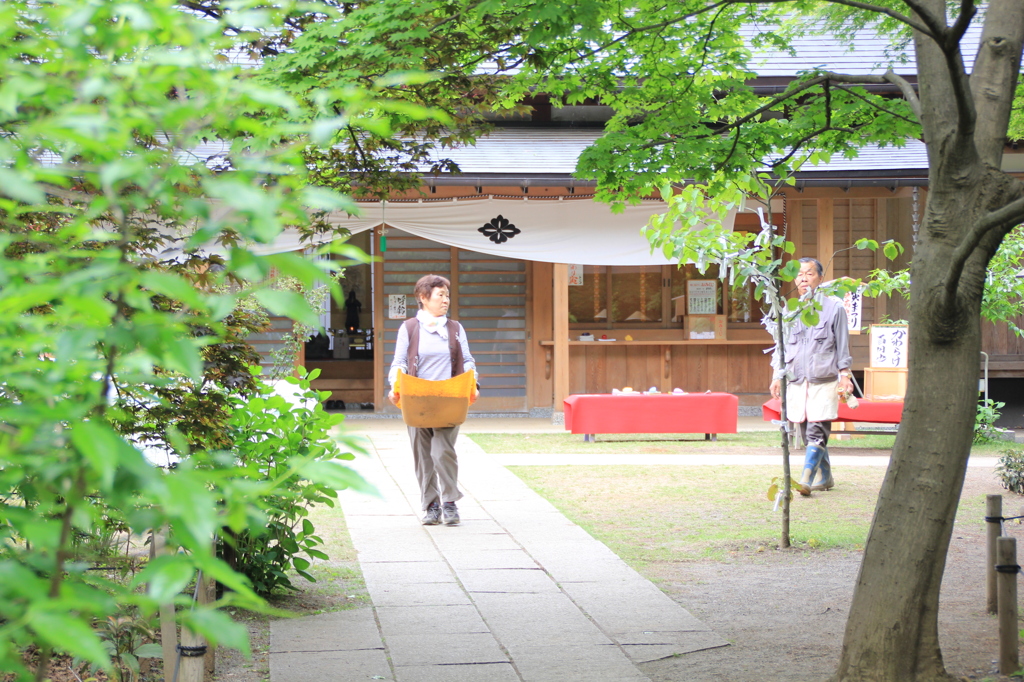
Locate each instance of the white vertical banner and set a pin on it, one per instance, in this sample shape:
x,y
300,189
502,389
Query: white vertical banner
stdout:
x,y
575,275
396,306
889,345
853,301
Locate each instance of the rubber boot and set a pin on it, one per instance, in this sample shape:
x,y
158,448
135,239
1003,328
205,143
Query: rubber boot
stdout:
x,y
811,462
824,481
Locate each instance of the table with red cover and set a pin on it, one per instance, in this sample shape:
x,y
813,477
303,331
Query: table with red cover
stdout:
x,y
868,411
707,413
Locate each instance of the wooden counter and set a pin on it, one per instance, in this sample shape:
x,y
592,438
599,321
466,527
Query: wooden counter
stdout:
x,y
674,342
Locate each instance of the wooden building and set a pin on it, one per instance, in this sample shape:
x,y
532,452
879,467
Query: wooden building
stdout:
x,y
525,304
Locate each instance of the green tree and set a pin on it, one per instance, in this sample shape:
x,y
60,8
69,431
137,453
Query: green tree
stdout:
x,y
102,107
418,60
677,76
1003,300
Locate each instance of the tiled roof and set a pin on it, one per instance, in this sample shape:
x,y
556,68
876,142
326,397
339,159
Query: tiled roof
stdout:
x,y
868,53
538,151
532,151
524,150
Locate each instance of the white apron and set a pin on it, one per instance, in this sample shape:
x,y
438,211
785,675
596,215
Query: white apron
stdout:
x,y
812,402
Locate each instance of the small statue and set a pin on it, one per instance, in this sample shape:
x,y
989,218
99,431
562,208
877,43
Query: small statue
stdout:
x,y
352,309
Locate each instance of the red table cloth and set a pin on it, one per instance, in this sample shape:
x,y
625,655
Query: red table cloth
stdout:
x,y
871,411
707,413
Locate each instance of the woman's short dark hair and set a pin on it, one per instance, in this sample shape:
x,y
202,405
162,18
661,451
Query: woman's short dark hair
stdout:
x,y
426,285
817,265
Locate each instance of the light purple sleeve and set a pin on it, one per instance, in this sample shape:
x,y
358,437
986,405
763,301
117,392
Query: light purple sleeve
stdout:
x,y
468,362
401,359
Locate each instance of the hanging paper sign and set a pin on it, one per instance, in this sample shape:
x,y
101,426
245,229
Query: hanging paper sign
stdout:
x,y
700,297
575,275
852,302
396,306
889,345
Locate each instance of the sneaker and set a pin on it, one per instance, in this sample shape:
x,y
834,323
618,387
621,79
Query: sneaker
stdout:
x,y
451,514
433,515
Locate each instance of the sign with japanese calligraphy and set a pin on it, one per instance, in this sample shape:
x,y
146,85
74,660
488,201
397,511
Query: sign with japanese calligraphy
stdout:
x,y
889,345
575,275
396,306
852,302
701,298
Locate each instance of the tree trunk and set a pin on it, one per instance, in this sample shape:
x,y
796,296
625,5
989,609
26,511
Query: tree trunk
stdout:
x,y
892,629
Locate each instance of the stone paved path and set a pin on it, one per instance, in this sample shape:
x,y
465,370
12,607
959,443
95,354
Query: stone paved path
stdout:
x,y
515,593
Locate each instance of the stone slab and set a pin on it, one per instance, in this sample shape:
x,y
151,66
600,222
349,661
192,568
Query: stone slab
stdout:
x,y
412,620
436,647
466,559
632,606
523,619
336,631
486,672
407,572
429,594
357,665
578,663
503,580
687,643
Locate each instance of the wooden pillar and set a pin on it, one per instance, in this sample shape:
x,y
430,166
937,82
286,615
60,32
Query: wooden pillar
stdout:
x,y
380,400
560,306
881,262
453,307
826,235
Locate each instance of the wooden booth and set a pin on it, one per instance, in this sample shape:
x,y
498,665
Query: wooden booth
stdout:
x,y
543,330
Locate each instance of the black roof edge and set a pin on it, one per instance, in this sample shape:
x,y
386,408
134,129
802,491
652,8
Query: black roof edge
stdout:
x,y
843,180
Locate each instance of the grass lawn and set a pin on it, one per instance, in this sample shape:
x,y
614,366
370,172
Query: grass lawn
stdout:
x,y
674,513
667,513
673,444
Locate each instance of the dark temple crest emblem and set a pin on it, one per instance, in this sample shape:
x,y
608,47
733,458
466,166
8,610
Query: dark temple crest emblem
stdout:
x,y
499,230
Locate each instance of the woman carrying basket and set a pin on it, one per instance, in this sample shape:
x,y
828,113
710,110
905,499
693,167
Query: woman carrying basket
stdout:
x,y
432,347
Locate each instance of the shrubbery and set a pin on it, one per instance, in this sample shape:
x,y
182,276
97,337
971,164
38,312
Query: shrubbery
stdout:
x,y
273,438
985,430
1010,469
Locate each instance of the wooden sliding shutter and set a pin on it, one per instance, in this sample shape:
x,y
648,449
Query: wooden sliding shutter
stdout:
x,y
491,298
406,260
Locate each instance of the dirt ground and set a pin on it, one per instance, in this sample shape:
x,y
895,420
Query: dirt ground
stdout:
x,y
782,612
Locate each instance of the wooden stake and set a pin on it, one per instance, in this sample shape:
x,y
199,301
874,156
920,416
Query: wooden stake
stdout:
x,y
168,630
208,595
993,528
1009,657
191,667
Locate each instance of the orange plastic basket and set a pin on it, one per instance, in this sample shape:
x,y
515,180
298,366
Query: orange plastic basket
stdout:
x,y
434,404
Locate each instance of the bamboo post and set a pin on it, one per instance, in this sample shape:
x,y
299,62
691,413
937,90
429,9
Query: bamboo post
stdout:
x,y
193,656
168,630
1007,568
993,528
194,650
208,595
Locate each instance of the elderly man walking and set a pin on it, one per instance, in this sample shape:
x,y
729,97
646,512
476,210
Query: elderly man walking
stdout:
x,y
818,371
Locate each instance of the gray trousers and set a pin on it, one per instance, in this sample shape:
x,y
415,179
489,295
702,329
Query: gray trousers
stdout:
x,y
816,433
437,465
